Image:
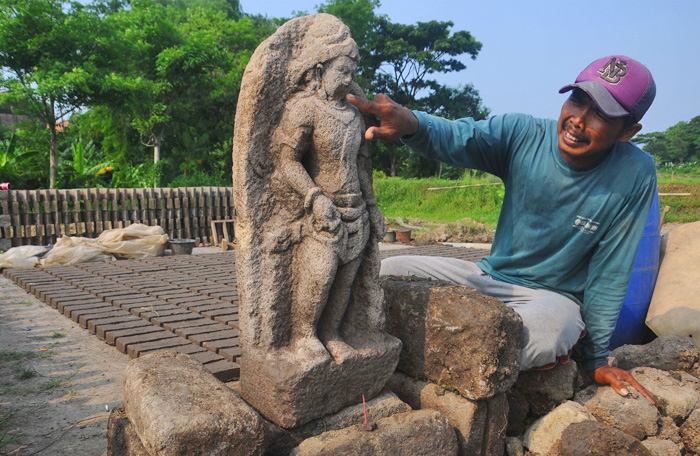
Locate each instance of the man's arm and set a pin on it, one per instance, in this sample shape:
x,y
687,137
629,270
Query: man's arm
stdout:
x,y
386,119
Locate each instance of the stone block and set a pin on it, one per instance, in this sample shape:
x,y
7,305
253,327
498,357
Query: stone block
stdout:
x,y
122,439
632,414
690,432
659,447
386,404
454,336
479,425
667,352
544,435
676,399
177,407
423,432
591,438
545,389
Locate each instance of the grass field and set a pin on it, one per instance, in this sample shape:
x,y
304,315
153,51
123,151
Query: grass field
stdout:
x,y
410,198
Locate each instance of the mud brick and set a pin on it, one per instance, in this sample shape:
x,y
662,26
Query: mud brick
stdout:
x,y
123,342
103,328
121,291
137,299
136,350
112,335
84,318
224,370
189,300
217,345
197,330
201,309
175,317
173,326
191,350
123,317
154,289
210,337
206,356
68,309
231,354
151,312
76,296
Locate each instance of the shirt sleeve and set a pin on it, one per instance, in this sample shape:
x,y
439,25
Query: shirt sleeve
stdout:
x,y
609,271
485,145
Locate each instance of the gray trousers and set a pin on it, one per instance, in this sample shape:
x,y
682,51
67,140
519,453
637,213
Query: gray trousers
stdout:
x,y
552,323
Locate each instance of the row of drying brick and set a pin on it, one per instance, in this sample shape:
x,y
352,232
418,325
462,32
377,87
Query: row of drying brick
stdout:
x,y
135,324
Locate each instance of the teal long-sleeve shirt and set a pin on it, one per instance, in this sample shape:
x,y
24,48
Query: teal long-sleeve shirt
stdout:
x,y
564,229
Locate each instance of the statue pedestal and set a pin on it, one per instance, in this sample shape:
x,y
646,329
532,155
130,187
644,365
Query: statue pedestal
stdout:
x,y
291,388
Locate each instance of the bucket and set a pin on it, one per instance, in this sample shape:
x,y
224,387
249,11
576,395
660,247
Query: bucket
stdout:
x,y
631,328
181,246
403,235
390,236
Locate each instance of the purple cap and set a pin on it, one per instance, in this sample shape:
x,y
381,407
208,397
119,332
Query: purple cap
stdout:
x,y
619,85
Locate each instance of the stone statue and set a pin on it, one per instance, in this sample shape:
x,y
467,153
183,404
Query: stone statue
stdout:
x,y
311,309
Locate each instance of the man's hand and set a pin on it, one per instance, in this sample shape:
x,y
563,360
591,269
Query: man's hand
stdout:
x,y
395,120
613,376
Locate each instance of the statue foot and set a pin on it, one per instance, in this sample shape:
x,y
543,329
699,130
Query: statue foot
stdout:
x,y
339,350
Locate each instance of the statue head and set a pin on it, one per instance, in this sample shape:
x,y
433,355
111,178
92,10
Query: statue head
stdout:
x,y
327,53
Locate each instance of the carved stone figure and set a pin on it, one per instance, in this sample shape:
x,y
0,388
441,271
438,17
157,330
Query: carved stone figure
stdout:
x,y
311,309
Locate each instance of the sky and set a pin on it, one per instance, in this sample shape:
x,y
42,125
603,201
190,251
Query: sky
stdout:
x,y
531,48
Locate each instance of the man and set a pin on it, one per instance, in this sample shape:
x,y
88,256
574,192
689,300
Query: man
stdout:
x,y
577,195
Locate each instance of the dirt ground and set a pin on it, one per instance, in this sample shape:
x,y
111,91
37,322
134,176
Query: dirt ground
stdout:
x,y
57,381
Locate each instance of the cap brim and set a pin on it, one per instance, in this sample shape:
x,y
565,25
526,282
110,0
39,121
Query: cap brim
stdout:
x,y
600,95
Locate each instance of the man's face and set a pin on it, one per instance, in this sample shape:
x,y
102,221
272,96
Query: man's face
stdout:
x,y
586,134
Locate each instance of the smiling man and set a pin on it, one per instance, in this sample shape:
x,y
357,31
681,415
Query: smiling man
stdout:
x,y
577,195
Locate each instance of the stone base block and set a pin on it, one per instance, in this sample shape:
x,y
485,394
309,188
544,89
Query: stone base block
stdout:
x,y
122,439
480,425
177,407
418,433
292,388
454,336
386,404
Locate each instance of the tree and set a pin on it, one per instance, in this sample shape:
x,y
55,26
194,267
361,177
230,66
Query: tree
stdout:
x,y
45,46
678,144
402,60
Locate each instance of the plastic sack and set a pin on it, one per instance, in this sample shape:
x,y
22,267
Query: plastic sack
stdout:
x,y
134,241
675,307
74,254
21,257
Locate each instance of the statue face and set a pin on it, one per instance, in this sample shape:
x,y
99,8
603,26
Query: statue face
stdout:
x,y
338,75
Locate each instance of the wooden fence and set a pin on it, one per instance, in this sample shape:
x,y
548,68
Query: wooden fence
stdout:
x,y
39,217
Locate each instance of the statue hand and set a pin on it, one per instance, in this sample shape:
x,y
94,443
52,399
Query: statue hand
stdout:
x,y
326,215
395,120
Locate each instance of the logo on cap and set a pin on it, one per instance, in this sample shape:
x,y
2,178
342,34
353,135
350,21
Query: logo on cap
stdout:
x,y
613,71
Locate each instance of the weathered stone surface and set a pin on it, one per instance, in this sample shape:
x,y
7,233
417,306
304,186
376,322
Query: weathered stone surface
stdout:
x,y
480,425
545,389
518,410
593,439
544,435
514,447
668,430
422,432
384,405
659,447
454,336
177,407
667,352
311,309
122,439
632,414
690,432
676,398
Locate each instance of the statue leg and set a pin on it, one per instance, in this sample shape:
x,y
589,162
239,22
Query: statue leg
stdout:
x,y
315,266
334,312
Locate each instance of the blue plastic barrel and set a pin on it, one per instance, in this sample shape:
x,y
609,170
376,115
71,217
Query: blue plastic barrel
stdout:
x,y
631,328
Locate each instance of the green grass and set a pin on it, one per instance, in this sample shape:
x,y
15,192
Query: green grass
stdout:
x,y
26,374
15,355
410,198
5,422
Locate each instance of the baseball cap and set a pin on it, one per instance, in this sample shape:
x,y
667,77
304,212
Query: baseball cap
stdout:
x,y
619,85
